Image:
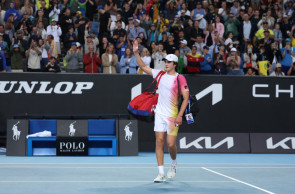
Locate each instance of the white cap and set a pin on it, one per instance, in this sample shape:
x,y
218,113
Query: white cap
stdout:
x,y
220,10
171,57
78,44
137,20
233,50
183,42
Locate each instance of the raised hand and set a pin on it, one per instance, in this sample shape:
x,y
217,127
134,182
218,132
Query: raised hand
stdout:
x,y
135,46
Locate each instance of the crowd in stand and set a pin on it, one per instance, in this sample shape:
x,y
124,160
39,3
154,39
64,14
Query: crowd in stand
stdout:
x,y
234,37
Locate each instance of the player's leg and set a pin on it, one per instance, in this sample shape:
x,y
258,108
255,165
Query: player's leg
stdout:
x,y
171,144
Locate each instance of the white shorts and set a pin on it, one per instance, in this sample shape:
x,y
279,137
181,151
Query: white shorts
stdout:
x,y
165,124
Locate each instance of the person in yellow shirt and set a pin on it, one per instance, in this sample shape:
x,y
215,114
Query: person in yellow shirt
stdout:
x,y
260,33
38,2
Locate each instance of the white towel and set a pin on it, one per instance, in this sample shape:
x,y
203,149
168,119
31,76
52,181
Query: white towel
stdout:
x,y
40,134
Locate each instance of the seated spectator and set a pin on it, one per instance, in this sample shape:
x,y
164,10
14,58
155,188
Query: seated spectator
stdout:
x,y
109,60
278,72
128,63
17,52
158,57
34,55
92,60
291,70
51,66
229,43
206,65
73,58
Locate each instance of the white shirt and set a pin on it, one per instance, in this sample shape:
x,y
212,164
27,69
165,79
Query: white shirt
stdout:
x,y
110,59
247,29
54,31
168,93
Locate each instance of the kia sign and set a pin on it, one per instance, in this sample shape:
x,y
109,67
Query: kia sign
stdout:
x,y
213,142
72,146
273,142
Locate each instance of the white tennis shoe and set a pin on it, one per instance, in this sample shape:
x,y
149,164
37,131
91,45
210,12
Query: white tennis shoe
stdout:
x,y
160,178
172,171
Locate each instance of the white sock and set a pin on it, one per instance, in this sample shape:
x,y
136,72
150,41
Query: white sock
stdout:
x,y
161,170
174,163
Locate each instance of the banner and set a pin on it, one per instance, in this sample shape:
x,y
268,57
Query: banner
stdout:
x,y
17,131
272,142
263,67
228,104
128,138
72,146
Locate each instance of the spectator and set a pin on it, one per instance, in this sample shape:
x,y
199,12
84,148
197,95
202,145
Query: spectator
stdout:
x,y
278,72
65,21
232,25
92,60
246,32
91,39
235,9
263,62
122,46
196,31
250,58
266,43
104,17
184,50
171,10
164,31
146,58
202,21
210,34
111,7
119,31
275,55
135,30
291,70
229,43
80,25
103,46
70,38
73,58
2,62
44,49
41,30
206,65
127,14
56,32
286,27
198,10
199,44
109,60
2,15
128,63
278,35
171,46
158,57
12,11
287,53
218,26
90,9
145,22
54,13
130,24
249,72
40,18
155,10
51,66
193,62
17,52
34,55
220,60
233,62
152,34
113,24
27,8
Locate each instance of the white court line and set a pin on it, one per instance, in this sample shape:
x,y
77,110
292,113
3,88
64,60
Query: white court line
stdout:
x,y
200,164
65,181
135,167
238,181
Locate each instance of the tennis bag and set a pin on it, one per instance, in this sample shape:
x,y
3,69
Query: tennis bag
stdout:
x,y
192,106
143,106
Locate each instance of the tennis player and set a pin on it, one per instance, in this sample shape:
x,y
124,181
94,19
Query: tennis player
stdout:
x,y
167,117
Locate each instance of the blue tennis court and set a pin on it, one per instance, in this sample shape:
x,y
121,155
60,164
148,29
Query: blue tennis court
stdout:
x,y
196,173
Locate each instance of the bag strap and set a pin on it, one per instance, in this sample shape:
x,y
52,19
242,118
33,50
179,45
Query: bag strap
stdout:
x,y
160,74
